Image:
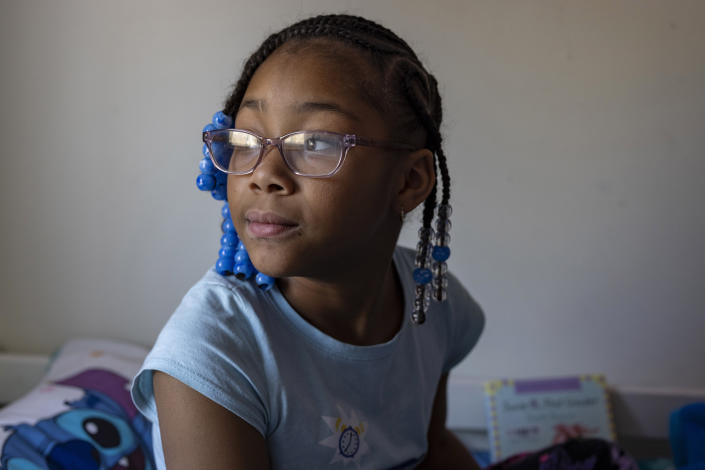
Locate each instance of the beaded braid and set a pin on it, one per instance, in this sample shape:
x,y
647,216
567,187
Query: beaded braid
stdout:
x,y
232,256
395,56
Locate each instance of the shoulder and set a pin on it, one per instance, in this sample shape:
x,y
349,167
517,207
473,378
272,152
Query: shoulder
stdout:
x,y
466,322
460,299
219,315
221,293
459,319
214,343
221,303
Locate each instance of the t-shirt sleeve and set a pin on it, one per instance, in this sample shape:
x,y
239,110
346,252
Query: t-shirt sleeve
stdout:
x,y
466,321
209,344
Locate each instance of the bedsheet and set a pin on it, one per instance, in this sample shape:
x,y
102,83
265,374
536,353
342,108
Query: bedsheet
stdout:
x,y
80,415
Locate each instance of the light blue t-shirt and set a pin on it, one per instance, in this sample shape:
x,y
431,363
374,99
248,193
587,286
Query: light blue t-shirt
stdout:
x,y
320,403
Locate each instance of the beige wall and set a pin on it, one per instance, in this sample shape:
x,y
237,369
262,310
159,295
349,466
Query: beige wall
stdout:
x,y
575,133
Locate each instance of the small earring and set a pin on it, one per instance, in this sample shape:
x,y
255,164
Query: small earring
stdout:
x,y
403,215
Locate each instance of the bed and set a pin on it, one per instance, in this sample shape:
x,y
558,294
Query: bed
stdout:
x,y
78,414
73,410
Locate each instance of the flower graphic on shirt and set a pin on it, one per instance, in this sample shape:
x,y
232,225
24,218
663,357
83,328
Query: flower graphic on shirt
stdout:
x,y
347,437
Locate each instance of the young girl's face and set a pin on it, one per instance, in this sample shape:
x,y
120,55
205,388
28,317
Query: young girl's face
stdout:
x,y
316,227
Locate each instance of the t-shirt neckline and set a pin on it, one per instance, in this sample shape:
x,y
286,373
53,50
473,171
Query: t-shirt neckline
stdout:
x,y
320,340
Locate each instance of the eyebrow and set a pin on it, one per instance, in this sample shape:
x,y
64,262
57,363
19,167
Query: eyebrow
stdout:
x,y
313,106
257,105
301,108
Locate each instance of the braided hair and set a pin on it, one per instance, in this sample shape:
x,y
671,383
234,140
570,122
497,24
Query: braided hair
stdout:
x,y
409,92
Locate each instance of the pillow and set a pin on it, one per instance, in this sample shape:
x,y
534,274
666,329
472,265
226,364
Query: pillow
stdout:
x,y
80,415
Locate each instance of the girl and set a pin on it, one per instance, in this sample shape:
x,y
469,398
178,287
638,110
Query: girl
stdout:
x,y
330,136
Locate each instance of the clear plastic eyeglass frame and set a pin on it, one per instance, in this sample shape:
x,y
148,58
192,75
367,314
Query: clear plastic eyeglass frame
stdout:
x,y
346,142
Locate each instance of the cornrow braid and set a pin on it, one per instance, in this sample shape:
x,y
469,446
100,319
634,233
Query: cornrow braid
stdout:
x,y
416,89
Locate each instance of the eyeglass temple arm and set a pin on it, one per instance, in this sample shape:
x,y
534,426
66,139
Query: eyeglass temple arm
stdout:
x,y
354,140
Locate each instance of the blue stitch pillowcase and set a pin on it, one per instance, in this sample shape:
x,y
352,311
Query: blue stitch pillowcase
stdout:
x,y
81,414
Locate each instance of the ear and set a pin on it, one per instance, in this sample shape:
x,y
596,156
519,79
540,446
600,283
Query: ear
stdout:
x,y
417,179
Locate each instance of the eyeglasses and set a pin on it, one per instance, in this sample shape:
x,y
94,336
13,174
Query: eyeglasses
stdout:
x,y
318,154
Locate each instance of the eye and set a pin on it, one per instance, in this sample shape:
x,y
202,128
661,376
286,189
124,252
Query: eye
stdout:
x,y
102,431
317,144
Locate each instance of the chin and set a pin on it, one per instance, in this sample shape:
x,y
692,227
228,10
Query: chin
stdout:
x,y
281,263
274,264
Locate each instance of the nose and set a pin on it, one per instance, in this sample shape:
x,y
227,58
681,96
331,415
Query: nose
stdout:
x,y
272,175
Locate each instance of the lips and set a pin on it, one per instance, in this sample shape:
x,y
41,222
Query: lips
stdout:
x,y
268,224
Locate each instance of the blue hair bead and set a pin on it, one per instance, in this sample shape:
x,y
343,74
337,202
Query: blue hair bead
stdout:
x,y
224,266
228,226
229,239
225,211
264,282
204,150
222,120
227,252
209,127
242,257
220,177
244,271
205,182
206,166
422,275
241,246
220,193
440,253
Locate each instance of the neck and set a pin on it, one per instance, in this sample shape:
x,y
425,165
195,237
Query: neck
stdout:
x,y
361,305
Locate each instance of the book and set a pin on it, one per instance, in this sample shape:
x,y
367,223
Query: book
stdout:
x,y
530,414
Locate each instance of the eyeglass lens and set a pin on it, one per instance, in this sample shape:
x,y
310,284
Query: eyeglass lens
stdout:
x,y
306,153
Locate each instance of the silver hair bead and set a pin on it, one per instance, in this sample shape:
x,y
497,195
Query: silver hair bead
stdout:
x,y
419,316
444,210
439,269
439,293
443,225
420,290
443,239
426,233
441,281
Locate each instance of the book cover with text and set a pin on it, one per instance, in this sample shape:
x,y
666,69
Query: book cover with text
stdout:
x,y
530,414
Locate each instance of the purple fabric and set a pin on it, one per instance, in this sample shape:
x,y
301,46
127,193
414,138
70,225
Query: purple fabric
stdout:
x,y
574,454
106,382
547,385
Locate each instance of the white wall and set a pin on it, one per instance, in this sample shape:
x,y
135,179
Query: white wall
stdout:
x,y
575,133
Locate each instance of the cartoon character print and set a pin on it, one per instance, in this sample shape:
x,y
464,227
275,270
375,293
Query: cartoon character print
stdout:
x,y
101,431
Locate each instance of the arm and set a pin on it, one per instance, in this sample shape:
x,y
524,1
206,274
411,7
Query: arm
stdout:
x,y
444,449
198,433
